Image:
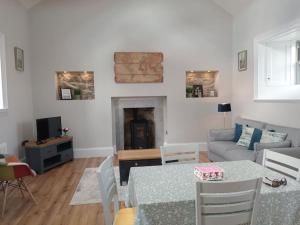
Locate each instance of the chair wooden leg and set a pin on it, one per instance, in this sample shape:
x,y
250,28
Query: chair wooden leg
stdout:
x,y
28,191
20,187
5,197
2,185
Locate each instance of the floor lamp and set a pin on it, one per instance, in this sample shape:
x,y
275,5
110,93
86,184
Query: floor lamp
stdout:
x,y
224,108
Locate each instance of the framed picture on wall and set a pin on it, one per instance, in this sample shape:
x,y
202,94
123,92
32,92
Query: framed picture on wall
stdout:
x,y
19,59
242,60
66,94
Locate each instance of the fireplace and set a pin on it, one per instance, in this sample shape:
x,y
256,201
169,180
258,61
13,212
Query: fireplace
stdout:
x,y
151,133
139,130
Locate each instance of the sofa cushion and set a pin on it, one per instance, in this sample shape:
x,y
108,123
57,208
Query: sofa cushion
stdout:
x,y
271,136
246,137
221,147
293,133
255,138
251,123
238,154
237,132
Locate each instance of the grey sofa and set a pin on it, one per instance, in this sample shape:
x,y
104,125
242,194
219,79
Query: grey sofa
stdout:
x,y
221,146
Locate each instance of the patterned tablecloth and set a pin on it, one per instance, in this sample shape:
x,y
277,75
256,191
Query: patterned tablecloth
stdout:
x,y
165,195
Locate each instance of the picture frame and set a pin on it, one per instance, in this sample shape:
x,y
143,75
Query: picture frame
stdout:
x,y
66,94
197,91
242,60
19,59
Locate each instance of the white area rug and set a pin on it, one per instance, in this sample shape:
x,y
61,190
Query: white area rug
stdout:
x,y
88,189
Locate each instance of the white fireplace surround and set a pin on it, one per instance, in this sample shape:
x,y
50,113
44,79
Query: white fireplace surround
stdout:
x,y
121,103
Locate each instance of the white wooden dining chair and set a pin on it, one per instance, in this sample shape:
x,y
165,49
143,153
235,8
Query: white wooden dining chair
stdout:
x,y
282,163
109,194
180,153
227,203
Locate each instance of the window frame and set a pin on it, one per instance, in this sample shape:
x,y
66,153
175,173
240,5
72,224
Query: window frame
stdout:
x,y
262,92
3,73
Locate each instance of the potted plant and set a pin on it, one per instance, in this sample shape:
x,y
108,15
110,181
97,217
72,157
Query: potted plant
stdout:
x,y
77,94
189,91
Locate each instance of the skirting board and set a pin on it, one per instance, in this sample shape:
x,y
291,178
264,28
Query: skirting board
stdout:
x,y
93,152
105,151
203,145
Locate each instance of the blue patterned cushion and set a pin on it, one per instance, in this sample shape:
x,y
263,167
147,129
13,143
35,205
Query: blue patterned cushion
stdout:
x,y
238,132
256,136
246,137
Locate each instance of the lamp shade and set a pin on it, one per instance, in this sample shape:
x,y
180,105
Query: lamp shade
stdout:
x,y
224,107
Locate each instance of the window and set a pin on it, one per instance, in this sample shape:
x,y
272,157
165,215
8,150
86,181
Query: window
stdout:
x,y
277,64
3,91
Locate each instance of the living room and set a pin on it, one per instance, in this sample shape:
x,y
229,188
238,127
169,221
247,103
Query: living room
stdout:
x,y
57,40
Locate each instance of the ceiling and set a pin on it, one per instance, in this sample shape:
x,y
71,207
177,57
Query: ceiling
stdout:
x,y
231,6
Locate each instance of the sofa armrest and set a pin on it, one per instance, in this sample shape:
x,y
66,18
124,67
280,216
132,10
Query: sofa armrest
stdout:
x,y
293,152
258,147
221,135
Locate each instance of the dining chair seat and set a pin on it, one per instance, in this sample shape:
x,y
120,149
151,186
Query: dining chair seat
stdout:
x,y
125,216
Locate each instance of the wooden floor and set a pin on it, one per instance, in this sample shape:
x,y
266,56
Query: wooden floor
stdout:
x,y
53,191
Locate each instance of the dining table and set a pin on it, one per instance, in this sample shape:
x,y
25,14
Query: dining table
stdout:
x,y
165,195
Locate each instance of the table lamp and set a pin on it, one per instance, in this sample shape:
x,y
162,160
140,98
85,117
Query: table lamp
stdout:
x,y
224,108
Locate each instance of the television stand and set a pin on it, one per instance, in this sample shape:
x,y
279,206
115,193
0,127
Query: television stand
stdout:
x,y
52,153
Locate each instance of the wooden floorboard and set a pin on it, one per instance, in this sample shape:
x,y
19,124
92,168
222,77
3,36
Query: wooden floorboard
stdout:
x,y
54,191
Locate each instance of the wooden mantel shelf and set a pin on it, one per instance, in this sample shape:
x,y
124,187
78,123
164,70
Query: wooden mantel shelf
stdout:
x,y
143,154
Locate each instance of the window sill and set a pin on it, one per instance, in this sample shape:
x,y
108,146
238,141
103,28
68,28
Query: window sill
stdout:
x,y
3,110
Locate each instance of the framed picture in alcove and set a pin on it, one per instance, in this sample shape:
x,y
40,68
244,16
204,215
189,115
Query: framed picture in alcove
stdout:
x,y
242,60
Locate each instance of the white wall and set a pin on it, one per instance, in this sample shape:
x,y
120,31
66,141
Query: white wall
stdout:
x,y
83,35
260,17
16,123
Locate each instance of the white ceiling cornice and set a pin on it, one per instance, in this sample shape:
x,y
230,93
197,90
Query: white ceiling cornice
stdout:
x,y
29,3
233,7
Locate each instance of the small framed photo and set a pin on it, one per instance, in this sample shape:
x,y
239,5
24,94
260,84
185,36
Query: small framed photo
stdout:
x,y
242,60
197,91
66,94
19,59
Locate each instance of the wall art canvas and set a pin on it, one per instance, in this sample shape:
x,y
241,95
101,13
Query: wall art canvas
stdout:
x,y
138,67
19,59
242,60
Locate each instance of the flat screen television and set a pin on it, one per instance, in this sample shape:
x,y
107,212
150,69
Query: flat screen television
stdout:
x,y
48,128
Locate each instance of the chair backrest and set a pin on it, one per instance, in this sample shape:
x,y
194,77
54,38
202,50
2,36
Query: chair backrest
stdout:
x,y
227,203
108,189
180,153
281,163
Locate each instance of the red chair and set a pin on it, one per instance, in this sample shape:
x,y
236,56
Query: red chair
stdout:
x,y
12,172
